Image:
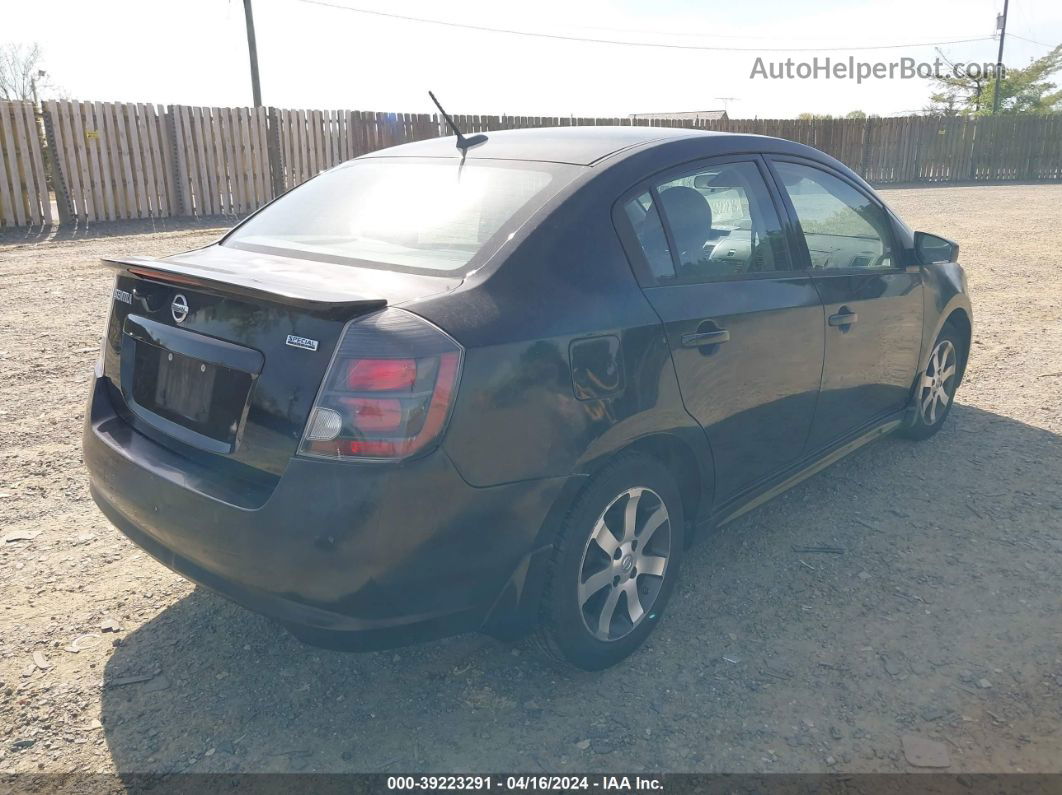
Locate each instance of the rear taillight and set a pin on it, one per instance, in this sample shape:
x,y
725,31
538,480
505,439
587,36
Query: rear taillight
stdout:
x,y
388,391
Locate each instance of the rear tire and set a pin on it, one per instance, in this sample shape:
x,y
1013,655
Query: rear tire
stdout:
x,y
934,393
615,564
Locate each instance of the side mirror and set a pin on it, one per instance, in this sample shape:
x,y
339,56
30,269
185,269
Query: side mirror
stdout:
x,y
931,248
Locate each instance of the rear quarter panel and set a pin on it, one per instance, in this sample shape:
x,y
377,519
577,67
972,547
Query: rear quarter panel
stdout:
x,y
517,415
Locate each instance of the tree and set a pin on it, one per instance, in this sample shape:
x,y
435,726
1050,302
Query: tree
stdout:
x,y
22,76
949,103
1027,90
813,116
855,114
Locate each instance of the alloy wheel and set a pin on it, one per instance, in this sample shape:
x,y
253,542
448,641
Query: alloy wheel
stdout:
x,y
624,563
936,383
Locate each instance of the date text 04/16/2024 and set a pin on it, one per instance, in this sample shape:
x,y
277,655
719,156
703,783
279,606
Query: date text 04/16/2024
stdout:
x,y
525,783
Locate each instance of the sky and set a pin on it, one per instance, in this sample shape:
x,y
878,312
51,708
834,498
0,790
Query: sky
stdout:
x,y
194,52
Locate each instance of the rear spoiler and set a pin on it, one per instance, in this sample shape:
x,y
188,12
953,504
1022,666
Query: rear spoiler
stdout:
x,y
304,290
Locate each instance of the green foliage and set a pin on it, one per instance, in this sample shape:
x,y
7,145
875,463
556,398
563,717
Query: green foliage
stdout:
x,y
1027,90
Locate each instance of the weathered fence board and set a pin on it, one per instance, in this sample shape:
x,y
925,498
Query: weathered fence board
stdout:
x,y
11,183
24,197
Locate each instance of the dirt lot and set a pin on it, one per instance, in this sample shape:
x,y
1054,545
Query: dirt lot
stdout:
x,y
940,620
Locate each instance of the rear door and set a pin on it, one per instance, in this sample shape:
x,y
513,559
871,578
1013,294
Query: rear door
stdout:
x,y
744,326
873,304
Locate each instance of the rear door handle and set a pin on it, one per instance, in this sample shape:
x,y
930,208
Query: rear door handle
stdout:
x,y
702,338
843,318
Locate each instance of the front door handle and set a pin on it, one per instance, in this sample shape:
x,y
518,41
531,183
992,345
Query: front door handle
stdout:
x,y
702,338
843,318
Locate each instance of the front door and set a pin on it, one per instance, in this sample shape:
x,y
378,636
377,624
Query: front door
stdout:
x,y
873,304
745,328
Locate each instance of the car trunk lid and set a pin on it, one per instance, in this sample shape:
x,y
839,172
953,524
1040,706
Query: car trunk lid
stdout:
x,y
219,353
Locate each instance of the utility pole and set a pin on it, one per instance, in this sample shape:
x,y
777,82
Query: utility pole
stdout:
x,y
1001,25
252,51
33,84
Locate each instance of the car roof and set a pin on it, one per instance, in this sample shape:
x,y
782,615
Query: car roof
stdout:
x,y
581,146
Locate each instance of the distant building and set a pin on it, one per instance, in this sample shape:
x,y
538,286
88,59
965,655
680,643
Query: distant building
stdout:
x,y
686,115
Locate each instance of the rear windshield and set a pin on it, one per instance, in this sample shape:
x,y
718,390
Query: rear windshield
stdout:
x,y
404,214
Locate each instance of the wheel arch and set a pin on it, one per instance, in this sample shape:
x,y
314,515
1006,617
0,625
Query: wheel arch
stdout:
x,y
693,474
515,610
956,311
958,315
959,319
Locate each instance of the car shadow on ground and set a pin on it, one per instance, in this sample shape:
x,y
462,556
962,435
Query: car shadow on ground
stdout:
x,y
754,629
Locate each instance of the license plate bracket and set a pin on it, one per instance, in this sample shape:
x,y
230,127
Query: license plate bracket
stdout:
x,y
185,386
198,402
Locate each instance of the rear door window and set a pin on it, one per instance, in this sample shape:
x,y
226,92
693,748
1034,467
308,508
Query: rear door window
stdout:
x,y
711,222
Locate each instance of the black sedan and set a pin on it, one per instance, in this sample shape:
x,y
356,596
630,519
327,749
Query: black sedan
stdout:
x,y
503,387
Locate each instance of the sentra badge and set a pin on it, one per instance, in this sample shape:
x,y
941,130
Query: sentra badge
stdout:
x,y
124,296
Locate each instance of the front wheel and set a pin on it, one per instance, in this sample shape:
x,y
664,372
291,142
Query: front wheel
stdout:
x,y
616,562
936,388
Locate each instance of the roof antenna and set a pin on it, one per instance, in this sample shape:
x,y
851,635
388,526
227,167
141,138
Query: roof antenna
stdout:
x,y
463,143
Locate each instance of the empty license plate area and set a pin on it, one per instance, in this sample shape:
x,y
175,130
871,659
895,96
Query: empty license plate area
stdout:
x,y
202,396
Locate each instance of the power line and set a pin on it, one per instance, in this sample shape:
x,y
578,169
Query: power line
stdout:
x,y
1031,41
591,40
703,35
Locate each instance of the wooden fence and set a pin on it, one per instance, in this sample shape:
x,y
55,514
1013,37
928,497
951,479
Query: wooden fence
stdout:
x,y
915,149
313,140
107,161
23,188
114,161
222,160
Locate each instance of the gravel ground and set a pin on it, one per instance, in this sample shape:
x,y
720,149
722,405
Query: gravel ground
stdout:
x,y
933,638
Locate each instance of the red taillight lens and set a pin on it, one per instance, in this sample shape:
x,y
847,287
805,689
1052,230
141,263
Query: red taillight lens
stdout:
x,y
381,375
388,391
374,414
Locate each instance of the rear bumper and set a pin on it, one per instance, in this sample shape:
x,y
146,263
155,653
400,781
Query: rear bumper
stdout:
x,y
347,555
